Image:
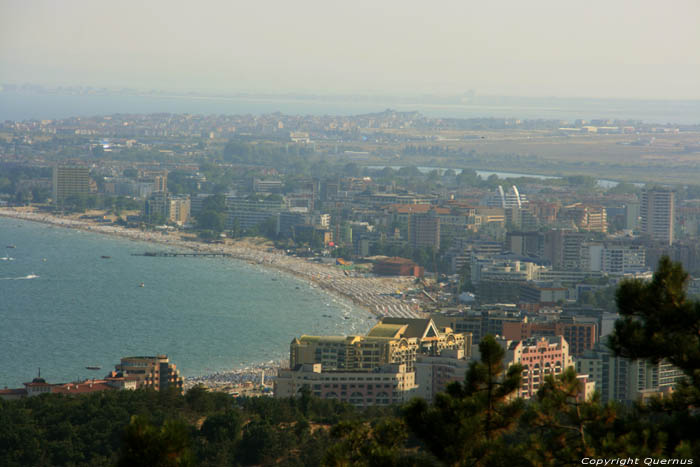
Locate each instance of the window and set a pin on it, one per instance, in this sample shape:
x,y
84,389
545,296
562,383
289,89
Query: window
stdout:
x,y
382,398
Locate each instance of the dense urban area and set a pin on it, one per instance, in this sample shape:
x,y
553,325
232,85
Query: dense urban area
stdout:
x,y
489,248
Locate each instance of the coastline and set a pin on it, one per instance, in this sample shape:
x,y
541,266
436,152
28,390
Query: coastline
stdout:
x,y
371,293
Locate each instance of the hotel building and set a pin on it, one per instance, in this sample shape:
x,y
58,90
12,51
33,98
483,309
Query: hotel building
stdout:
x,y
384,385
657,210
392,341
151,372
70,181
539,357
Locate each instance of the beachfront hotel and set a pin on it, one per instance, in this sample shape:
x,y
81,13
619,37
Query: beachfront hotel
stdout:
x,y
150,372
376,369
70,181
392,341
384,385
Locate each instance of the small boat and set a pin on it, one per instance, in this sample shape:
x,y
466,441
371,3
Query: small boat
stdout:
x,y
43,259
11,246
93,367
105,257
142,285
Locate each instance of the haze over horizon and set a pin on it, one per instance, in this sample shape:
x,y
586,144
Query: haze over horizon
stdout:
x,y
625,49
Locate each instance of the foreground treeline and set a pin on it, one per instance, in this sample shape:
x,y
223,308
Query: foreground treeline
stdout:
x,y
476,422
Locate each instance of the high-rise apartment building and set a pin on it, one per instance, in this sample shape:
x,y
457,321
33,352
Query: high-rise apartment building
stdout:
x,y
623,380
70,181
424,230
657,209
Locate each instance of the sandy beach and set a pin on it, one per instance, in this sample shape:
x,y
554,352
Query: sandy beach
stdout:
x,y
373,293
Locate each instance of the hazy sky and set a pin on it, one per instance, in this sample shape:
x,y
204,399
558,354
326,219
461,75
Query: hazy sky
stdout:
x,y
594,48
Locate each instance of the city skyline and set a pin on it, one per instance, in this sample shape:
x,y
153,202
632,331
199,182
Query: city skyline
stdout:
x,y
349,233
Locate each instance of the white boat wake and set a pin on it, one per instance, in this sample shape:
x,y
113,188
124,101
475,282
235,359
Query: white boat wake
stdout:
x,y
29,276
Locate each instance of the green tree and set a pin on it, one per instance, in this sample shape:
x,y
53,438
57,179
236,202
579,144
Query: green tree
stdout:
x,y
363,444
465,279
40,195
602,297
466,424
21,197
146,445
215,203
659,323
260,443
198,400
558,422
223,427
236,231
268,228
213,214
211,220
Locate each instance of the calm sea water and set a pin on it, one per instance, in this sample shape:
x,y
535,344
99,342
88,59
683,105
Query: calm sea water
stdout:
x,y
63,307
25,106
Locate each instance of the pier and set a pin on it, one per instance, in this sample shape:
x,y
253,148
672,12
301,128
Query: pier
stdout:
x,y
163,254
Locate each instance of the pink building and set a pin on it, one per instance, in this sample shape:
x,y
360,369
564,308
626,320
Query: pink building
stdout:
x,y
539,357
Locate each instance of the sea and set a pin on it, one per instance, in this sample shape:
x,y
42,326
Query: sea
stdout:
x,y
63,307
21,105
